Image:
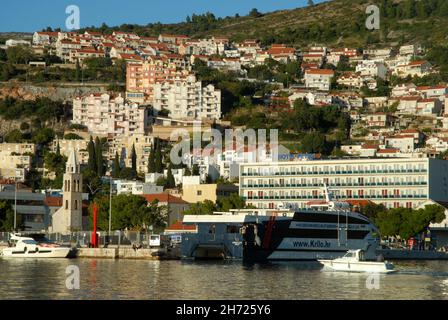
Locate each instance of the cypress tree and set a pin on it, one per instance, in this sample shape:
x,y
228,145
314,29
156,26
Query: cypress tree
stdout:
x,y
195,169
92,156
134,159
170,182
99,157
58,150
158,156
116,168
152,160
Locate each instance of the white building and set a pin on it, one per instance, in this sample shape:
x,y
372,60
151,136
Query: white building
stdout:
x,y
67,145
136,187
186,98
404,143
372,69
319,78
394,182
12,43
106,115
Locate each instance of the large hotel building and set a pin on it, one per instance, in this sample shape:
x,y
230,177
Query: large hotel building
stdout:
x,y
398,182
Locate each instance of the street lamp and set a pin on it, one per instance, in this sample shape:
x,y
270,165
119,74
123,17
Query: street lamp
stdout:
x,y
110,205
18,173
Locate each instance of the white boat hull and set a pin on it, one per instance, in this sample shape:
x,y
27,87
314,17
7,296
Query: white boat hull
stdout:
x,y
359,266
42,253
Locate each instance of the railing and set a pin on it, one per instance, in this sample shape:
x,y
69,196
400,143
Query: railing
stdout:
x,y
310,185
82,238
367,197
341,172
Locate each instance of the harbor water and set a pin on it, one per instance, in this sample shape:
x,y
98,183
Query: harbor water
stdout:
x,y
142,279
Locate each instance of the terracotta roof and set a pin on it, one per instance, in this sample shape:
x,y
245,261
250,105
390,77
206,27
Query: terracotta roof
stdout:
x,y
417,63
359,203
388,151
164,197
53,201
179,226
320,71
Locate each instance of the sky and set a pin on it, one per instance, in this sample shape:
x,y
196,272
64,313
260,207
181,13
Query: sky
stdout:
x,y
34,15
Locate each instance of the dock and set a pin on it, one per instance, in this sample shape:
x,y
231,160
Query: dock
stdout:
x,y
129,253
402,254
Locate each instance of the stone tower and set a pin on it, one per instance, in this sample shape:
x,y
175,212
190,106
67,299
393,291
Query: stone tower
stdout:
x,y
69,216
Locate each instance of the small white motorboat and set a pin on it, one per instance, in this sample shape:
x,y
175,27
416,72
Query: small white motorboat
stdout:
x,y
353,261
27,247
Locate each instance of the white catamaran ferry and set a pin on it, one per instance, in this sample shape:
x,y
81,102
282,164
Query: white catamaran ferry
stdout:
x,y
325,231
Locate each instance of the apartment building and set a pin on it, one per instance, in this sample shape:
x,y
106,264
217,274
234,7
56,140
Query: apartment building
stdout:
x,y
136,187
372,69
319,78
122,145
15,160
104,114
393,182
141,78
18,148
67,145
186,98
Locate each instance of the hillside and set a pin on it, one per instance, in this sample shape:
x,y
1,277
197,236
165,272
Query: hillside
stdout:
x,y
337,22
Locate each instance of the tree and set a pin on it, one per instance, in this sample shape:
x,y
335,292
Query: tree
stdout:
x,y
134,159
170,183
314,142
254,13
99,157
92,184
92,156
43,136
19,54
78,71
72,136
129,211
6,216
195,170
116,167
200,208
15,136
127,173
234,201
406,223
158,158
152,160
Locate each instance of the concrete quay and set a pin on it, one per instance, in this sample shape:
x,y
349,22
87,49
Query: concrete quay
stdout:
x,y
127,253
399,254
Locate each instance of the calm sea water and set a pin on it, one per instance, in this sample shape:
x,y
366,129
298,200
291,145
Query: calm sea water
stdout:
x,y
125,279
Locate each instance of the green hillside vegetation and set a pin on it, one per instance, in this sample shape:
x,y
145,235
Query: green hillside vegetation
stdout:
x,y
339,22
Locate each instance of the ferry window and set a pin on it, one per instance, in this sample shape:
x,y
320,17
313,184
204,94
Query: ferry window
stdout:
x,y
212,229
232,229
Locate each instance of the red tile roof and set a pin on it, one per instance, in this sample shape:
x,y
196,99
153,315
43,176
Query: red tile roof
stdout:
x,y
164,197
179,226
53,201
320,71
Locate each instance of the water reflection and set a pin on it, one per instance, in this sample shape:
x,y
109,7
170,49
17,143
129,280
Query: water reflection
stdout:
x,y
125,279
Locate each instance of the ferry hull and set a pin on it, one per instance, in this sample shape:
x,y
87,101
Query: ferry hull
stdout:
x,y
308,236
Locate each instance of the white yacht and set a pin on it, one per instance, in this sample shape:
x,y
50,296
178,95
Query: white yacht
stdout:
x,y
27,247
353,261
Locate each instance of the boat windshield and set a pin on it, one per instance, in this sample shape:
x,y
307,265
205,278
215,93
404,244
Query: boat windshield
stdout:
x,y
350,254
29,242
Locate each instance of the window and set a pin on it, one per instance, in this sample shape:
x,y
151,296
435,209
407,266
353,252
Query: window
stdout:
x,y
199,193
66,204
